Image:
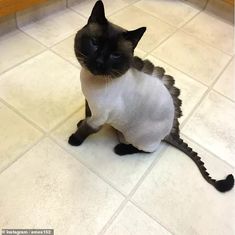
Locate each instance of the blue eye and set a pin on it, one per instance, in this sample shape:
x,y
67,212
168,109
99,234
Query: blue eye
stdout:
x,y
115,55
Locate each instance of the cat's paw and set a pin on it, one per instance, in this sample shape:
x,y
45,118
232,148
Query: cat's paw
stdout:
x,y
80,122
120,149
124,149
74,140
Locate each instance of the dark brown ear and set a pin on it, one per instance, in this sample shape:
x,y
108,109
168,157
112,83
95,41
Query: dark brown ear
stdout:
x,y
97,14
135,35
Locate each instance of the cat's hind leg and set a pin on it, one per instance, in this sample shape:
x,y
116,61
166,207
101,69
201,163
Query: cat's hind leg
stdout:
x,y
124,149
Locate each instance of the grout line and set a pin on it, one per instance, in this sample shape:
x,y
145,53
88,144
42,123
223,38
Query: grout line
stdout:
x,y
148,214
122,8
118,10
22,154
37,127
56,53
113,217
66,119
170,65
23,61
50,48
224,96
147,13
71,154
56,43
163,41
204,42
180,29
25,118
185,73
34,124
109,15
129,196
204,95
165,21
182,124
173,33
80,14
194,78
206,150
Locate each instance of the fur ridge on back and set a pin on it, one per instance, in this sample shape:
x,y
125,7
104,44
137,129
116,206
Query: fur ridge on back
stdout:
x,y
147,67
173,138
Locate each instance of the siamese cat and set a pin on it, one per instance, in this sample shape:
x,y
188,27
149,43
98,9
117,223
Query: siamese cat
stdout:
x,y
132,95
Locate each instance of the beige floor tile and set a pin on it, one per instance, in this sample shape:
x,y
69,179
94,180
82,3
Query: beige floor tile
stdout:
x,y
212,30
16,136
55,27
139,53
191,56
46,89
226,83
191,90
133,18
84,7
97,152
66,50
180,199
47,188
212,126
132,221
12,54
39,11
174,12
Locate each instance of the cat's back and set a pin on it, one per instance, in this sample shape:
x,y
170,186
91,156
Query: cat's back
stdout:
x,y
148,87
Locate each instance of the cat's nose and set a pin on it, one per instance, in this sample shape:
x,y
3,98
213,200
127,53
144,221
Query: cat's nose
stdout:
x,y
100,61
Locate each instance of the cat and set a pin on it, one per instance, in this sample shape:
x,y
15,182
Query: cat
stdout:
x,y
132,95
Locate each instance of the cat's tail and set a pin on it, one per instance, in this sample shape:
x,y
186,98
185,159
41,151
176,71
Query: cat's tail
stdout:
x,y
220,185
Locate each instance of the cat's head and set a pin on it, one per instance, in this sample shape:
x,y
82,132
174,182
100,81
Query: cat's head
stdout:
x,y
104,48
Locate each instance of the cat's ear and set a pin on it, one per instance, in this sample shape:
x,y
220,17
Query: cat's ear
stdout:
x,y
135,35
97,14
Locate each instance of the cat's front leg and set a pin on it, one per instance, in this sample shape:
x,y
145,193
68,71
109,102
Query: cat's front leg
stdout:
x,y
87,113
86,127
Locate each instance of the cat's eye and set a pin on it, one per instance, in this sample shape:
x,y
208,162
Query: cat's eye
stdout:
x,y
115,55
94,42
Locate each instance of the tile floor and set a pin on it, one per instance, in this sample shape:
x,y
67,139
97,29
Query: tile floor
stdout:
x,y
46,183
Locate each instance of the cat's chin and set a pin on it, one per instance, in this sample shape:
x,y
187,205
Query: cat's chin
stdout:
x,y
98,75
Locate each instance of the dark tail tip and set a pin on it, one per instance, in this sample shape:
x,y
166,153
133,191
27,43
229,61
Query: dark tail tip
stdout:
x,y
225,185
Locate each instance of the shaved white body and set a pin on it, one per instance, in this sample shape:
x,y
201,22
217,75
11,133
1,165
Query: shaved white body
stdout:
x,y
136,104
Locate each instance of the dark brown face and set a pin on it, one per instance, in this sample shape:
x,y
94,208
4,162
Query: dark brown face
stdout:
x,y
104,48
